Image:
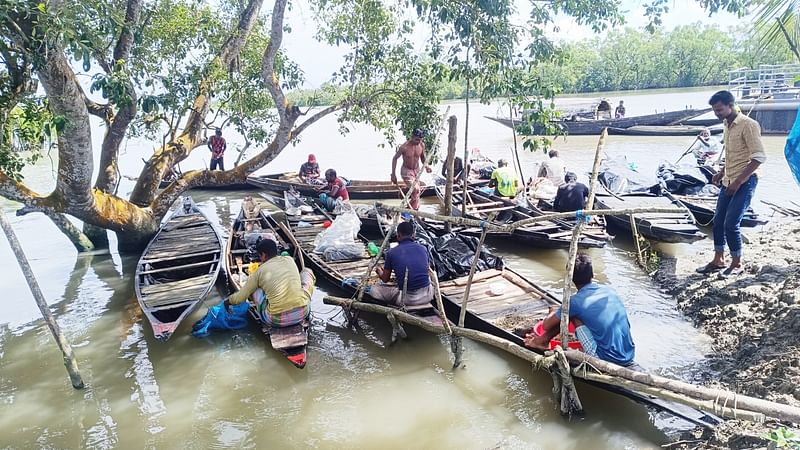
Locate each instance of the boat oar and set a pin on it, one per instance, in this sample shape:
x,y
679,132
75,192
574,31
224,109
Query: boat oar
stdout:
x,y
688,149
297,249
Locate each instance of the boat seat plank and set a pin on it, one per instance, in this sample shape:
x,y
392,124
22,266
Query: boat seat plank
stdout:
x,y
176,285
184,266
288,337
166,256
487,304
460,282
179,304
527,308
168,300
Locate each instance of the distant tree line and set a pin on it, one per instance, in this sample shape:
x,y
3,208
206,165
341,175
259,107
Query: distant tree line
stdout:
x,y
628,59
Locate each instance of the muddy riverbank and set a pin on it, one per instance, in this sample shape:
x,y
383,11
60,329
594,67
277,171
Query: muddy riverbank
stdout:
x,y
753,319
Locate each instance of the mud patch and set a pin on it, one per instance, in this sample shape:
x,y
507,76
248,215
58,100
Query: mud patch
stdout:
x,y
754,320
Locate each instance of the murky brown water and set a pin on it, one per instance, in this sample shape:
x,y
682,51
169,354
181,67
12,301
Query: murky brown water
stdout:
x,y
232,390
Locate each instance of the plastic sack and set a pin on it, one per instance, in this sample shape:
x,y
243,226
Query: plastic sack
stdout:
x,y
344,252
618,177
792,149
452,253
217,318
679,178
342,232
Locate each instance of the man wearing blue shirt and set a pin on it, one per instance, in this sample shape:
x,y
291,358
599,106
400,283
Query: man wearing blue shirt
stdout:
x,y
408,259
601,323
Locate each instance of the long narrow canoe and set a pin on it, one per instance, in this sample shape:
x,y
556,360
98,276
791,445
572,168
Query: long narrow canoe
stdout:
x,y
291,342
595,127
520,304
663,227
662,130
704,207
304,228
178,268
545,234
357,189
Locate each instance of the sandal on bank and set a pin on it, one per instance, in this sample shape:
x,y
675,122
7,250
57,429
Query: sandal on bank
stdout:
x,y
732,272
709,268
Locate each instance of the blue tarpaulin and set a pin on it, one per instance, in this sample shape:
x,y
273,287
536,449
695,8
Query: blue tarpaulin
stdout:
x,y
792,149
218,319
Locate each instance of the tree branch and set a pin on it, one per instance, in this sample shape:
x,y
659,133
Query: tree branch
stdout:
x,y
144,192
268,61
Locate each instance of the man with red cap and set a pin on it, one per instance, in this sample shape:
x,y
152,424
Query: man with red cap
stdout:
x,y
309,171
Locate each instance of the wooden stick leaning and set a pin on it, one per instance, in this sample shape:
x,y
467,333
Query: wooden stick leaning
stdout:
x,y
576,234
63,344
451,153
463,313
519,224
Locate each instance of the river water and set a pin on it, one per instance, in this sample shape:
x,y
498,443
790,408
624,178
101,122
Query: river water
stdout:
x,y
232,391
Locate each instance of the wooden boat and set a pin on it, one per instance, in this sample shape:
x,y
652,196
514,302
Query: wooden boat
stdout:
x,y
357,189
304,228
545,234
664,227
291,342
222,187
178,268
520,304
704,207
595,127
662,130
702,122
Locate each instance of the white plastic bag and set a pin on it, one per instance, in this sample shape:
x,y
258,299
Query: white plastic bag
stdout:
x,y
342,232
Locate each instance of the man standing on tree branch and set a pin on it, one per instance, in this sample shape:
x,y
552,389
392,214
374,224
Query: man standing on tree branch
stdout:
x,y
413,153
217,146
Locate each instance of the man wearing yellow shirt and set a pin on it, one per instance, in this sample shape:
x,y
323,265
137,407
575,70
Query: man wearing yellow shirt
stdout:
x,y
744,153
282,292
504,180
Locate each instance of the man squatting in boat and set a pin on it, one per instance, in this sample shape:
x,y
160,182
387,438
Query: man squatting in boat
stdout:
x,y
744,153
408,259
282,292
601,323
413,153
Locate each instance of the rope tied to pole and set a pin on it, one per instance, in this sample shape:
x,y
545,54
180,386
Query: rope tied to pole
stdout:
x,y
580,216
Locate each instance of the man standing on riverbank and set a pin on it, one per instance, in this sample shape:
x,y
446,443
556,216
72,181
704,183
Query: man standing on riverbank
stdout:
x,y
601,323
413,153
217,145
744,153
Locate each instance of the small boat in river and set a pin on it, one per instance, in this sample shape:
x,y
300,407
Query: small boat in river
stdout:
x,y
178,268
545,234
704,207
357,189
664,227
662,130
291,342
303,228
594,127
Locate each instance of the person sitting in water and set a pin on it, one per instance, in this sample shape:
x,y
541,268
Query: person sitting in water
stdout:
x,y
571,195
601,323
335,189
282,291
309,171
408,259
553,169
504,180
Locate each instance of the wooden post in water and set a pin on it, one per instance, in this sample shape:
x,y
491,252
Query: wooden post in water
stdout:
x,y
451,154
69,358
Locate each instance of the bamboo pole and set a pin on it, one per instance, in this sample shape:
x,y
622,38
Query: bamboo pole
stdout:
x,y
573,248
635,233
451,153
463,313
63,344
519,224
437,292
768,408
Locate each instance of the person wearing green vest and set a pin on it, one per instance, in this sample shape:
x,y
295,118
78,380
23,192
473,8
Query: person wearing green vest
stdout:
x,y
504,180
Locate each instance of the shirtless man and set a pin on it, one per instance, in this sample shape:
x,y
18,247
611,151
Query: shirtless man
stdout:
x,y
413,153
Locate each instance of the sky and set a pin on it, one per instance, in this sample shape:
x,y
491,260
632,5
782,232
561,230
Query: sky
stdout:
x,y
319,60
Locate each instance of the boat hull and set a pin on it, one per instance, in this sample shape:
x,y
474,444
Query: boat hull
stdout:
x,y
357,189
